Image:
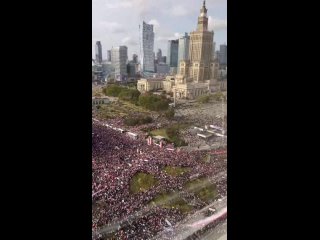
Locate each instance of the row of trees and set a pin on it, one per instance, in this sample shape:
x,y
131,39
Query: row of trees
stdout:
x,y
153,102
149,101
137,120
218,96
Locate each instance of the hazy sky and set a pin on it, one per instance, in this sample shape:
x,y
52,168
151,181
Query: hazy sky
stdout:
x,y
116,22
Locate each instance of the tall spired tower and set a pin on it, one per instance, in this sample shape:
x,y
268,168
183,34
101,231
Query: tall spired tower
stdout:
x,y
200,66
197,73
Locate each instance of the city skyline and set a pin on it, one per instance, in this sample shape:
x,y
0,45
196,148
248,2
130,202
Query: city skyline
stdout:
x,y
117,23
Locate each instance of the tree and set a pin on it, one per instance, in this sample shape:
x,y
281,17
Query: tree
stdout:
x,y
112,90
218,96
131,95
138,120
153,102
203,99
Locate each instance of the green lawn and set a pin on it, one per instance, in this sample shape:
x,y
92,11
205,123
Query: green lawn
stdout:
x,y
175,139
142,182
160,132
171,200
203,189
176,171
118,109
207,158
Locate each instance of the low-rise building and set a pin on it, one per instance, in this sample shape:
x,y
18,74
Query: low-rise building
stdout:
x,y
168,83
162,68
149,84
99,100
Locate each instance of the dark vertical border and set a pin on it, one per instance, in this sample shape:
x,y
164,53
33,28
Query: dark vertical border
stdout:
x,y
49,140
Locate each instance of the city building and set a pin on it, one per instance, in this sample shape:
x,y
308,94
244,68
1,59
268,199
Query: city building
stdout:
x,y
132,69
109,55
198,74
135,58
98,52
149,84
97,73
168,83
173,70
159,56
147,55
183,53
173,49
164,59
100,100
107,69
222,73
223,55
217,56
119,57
162,68
223,84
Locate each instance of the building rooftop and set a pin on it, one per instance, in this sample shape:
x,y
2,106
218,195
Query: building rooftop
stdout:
x,y
100,98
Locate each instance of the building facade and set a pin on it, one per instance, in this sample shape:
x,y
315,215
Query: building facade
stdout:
x,y
223,55
214,50
223,85
172,55
132,69
147,41
119,57
98,52
109,55
99,100
183,53
197,74
135,58
149,84
164,59
159,56
162,68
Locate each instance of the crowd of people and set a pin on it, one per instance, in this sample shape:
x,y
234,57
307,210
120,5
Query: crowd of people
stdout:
x,y
116,158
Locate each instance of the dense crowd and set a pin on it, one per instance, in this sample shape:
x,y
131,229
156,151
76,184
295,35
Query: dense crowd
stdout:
x,y
116,158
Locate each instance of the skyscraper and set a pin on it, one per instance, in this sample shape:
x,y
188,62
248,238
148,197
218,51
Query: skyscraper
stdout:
x,y
147,45
217,56
98,52
135,58
109,55
164,59
214,50
200,66
172,56
223,54
119,57
183,53
159,55
198,74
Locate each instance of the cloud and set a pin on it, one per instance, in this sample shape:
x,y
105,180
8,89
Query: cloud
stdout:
x,y
155,24
166,37
179,11
112,27
142,6
129,41
217,24
178,35
119,4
